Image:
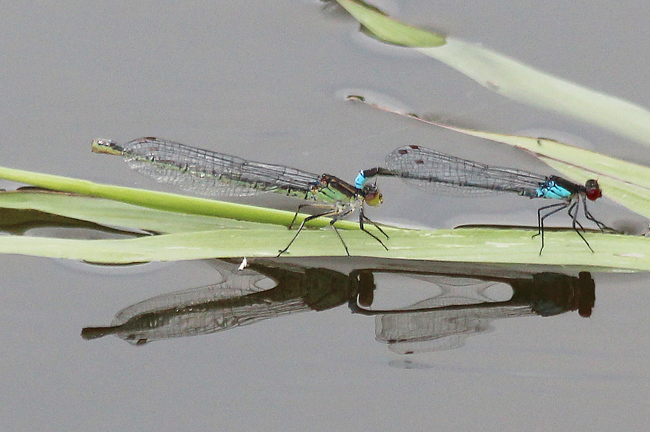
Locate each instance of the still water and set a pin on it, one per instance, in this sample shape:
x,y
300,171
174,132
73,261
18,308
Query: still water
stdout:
x,y
313,344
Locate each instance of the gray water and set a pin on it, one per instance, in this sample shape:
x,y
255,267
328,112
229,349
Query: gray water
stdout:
x,y
267,82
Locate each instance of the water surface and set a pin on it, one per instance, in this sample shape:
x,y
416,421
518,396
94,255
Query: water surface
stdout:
x,y
266,82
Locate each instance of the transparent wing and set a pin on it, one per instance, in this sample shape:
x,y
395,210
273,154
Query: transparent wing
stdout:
x,y
426,168
211,173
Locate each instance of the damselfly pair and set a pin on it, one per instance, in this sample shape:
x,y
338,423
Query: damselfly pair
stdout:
x,y
215,174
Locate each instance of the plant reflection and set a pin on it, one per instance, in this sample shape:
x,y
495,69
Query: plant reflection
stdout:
x,y
458,301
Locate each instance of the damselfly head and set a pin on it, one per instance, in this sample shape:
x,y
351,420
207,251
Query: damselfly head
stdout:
x,y
593,190
372,196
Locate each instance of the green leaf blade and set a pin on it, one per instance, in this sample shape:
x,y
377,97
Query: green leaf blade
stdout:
x,y
511,78
613,252
389,30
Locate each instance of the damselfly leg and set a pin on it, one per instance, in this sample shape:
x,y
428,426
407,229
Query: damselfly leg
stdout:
x,y
574,217
337,213
575,222
363,217
598,223
555,208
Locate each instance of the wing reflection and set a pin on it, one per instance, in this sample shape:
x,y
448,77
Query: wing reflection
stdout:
x,y
461,310
451,305
244,297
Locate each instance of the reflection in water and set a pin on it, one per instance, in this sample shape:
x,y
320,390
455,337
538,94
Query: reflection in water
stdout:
x,y
31,222
246,296
456,305
462,309
35,222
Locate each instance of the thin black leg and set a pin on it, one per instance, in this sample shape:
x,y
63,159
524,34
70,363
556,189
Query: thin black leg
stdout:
x,y
363,217
301,206
598,223
310,218
575,217
575,223
540,223
336,218
540,218
295,215
336,214
340,238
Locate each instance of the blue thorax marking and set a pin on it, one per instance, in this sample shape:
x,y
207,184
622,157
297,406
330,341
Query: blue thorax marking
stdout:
x,y
360,181
550,189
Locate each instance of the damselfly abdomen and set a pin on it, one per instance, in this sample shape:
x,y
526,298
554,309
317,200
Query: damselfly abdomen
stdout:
x,y
429,169
216,174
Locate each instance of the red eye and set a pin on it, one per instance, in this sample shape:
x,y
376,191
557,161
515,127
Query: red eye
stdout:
x,y
593,190
594,194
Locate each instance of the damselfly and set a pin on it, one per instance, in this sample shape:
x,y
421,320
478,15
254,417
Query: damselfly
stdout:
x,y
428,168
220,175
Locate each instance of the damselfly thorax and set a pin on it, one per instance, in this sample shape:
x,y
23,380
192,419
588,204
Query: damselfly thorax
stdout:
x,y
214,174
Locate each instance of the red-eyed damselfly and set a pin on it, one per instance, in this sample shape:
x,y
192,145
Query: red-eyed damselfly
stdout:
x,y
429,169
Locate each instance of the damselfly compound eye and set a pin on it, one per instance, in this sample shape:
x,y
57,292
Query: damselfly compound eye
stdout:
x,y
373,198
593,190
